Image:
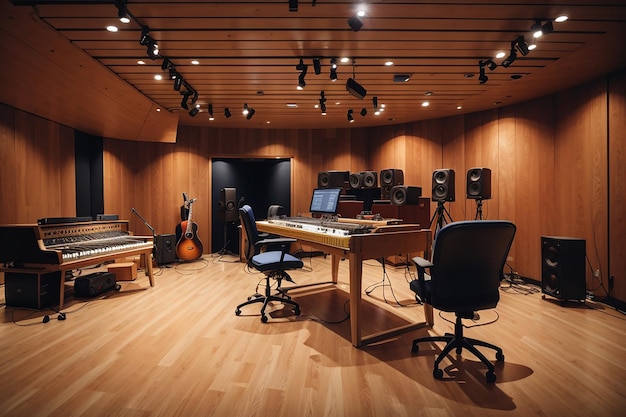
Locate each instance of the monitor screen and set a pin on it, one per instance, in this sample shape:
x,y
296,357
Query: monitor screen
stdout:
x,y
325,200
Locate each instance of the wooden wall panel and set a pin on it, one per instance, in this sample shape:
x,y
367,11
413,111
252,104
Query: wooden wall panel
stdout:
x,y
37,168
617,183
580,163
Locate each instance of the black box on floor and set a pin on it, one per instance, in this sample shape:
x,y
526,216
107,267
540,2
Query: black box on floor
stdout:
x,y
94,284
36,291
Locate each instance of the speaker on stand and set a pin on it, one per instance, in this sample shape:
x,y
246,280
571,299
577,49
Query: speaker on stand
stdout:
x,y
333,179
478,188
442,191
563,268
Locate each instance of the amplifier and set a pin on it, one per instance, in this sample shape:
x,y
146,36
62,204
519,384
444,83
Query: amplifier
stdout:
x,y
94,284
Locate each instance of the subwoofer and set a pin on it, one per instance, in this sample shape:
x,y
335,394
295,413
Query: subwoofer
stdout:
x,y
332,179
165,249
563,267
404,194
479,183
228,205
364,179
443,185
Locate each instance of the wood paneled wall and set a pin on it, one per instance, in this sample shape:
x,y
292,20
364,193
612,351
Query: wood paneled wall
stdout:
x,y
557,169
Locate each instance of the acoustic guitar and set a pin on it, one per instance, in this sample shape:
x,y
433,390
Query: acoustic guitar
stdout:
x,y
189,246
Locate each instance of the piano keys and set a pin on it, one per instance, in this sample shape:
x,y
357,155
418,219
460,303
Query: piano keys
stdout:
x,y
44,248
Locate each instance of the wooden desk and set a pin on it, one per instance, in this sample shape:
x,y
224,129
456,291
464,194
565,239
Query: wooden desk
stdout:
x,y
357,248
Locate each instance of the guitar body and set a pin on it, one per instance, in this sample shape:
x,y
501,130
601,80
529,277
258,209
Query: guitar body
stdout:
x,y
189,246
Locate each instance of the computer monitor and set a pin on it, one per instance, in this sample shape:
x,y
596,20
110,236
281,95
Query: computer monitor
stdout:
x,y
325,201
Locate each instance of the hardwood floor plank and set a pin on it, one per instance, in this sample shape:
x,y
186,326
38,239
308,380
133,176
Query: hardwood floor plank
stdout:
x,y
178,349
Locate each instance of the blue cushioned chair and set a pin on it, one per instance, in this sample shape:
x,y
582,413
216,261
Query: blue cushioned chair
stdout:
x,y
273,262
465,274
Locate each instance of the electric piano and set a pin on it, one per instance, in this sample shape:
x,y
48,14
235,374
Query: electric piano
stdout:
x,y
382,238
51,247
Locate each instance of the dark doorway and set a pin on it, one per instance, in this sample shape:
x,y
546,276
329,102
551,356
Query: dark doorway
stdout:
x,y
259,182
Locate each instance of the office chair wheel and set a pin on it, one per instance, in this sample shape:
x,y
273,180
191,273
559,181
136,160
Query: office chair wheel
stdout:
x,y
491,377
499,356
437,373
415,348
297,311
237,312
264,318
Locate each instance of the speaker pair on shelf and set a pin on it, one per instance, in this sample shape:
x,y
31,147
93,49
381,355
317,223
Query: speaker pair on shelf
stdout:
x,y
478,184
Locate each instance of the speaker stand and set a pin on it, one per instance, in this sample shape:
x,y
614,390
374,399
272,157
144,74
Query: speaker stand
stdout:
x,y
479,209
439,217
225,251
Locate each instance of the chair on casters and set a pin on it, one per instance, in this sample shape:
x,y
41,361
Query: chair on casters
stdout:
x,y
465,273
274,263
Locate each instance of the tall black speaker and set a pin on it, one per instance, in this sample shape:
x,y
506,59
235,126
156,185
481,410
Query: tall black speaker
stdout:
x,y
228,205
563,267
333,179
479,183
165,249
443,185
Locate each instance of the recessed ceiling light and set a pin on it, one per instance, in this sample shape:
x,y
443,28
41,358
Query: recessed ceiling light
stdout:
x,y
389,63
500,54
292,105
459,107
469,75
112,28
345,59
140,62
428,93
425,104
195,62
158,77
561,18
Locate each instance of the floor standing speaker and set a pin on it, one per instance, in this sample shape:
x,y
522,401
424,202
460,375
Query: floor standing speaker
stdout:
x,y
563,267
32,290
165,251
228,205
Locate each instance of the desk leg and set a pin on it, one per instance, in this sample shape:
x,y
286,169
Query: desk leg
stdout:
x,y
62,290
147,257
356,284
335,268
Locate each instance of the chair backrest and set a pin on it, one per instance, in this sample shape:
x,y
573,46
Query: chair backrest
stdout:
x,y
468,259
248,223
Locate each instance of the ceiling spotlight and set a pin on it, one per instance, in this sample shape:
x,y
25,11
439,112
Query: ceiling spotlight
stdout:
x,y
540,29
245,109
183,102
355,23
166,64
482,77
146,40
363,112
521,45
293,5
375,102
194,98
303,68
122,12
333,69
194,111
317,66
350,118
211,112
401,78
323,103
178,81
227,112
489,64
511,58
251,112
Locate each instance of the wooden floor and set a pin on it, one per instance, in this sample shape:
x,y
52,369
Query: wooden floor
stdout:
x,y
178,349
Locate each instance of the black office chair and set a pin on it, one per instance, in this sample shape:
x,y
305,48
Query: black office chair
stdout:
x,y
274,263
465,273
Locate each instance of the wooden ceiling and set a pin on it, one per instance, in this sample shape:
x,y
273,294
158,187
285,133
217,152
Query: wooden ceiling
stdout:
x,y
248,52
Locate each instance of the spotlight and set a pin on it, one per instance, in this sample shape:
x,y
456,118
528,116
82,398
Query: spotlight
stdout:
x,y
317,66
251,112
178,81
293,5
146,40
303,68
211,112
539,29
333,69
194,98
194,111
227,112
166,64
322,102
522,46
122,12
363,112
482,77
183,102
511,58
490,64
375,103
301,82
245,109
355,23
350,118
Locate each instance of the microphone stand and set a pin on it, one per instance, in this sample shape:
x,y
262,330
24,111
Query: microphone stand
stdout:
x,y
154,240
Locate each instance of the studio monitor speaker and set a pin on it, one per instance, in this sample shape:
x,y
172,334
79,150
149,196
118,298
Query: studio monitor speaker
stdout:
x,y
443,185
332,179
355,89
228,205
404,194
364,179
563,267
479,183
391,177
165,249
